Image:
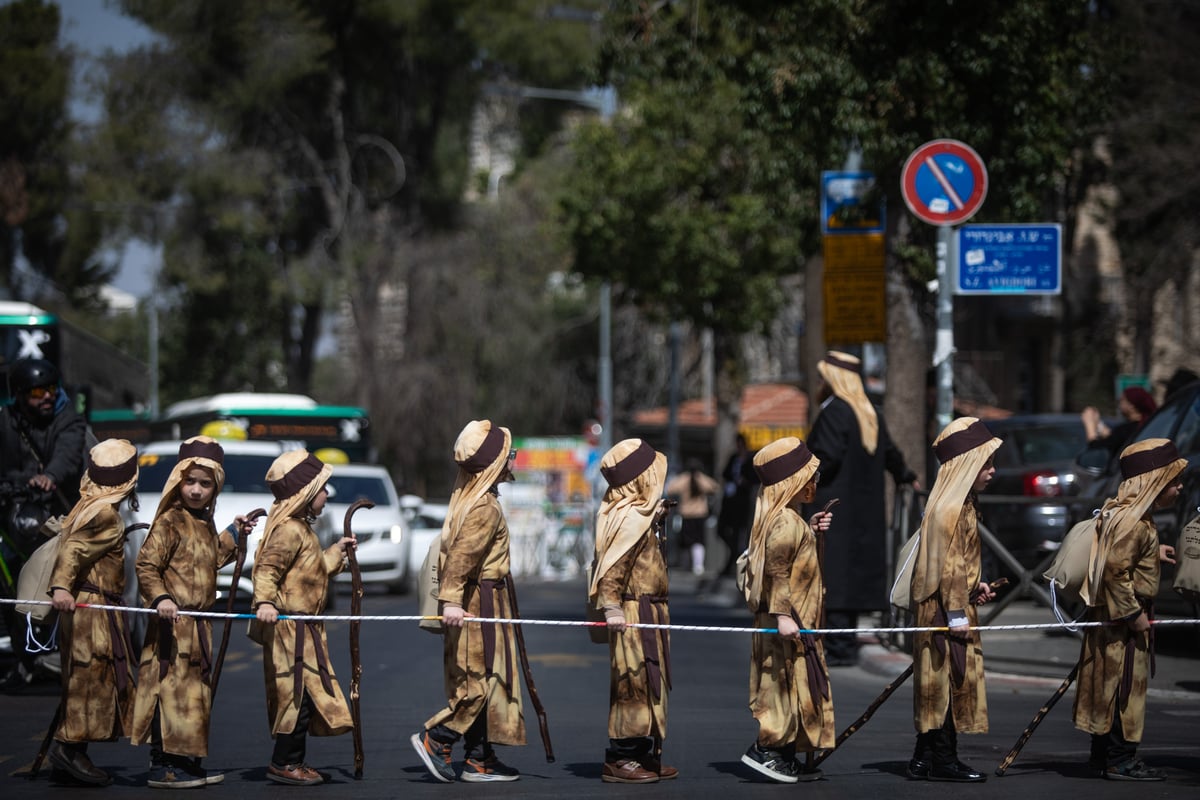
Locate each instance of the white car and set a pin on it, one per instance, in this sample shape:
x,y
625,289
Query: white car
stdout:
x,y
383,542
426,523
246,465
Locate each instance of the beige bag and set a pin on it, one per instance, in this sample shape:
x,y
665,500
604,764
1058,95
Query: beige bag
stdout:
x,y
34,581
1068,574
901,596
427,588
1187,556
598,635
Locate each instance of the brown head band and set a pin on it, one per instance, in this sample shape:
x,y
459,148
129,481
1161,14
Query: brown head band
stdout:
x,y
115,475
485,455
296,478
210,450
630,466
834,361
1145,461
970,437
785,466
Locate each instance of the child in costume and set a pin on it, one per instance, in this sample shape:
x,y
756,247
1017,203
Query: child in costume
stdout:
x,y
789,682
96,652
291,576
480,660
177,570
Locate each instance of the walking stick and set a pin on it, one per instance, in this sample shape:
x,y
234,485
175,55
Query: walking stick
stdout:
x,y
538,708
356,597
48,739
866,715
1037,720
240,541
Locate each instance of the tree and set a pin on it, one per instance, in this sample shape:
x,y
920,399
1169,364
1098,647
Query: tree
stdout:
x,y
705,189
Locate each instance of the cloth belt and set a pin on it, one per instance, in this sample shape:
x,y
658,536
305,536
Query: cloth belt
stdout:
x,y
957,645
1131,648
487,608
166,636
322,661
658,664
121,645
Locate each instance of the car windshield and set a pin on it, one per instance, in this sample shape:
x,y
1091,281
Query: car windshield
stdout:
x,y
349,488
244,474
1039,445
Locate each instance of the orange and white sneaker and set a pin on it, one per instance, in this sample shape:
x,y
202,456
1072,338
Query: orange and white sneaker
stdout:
x,y
434,755
489,770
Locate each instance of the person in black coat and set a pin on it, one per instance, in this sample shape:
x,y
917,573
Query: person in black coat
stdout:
x,y
737,504
851,439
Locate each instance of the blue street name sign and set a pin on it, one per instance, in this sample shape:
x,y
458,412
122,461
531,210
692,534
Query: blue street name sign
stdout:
x,y
1009,259
851,203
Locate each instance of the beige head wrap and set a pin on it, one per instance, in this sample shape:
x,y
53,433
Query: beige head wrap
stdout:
x,y
843,373
962,448
784,467
295,478
111,476
198,451
1147,467
636,475
481,452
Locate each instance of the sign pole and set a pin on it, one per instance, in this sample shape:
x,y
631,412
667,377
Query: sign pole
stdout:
x,y
943,353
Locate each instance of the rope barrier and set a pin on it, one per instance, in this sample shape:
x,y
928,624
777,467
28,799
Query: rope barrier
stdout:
x,y
585,624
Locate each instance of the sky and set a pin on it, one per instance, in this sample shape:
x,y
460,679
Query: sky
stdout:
x,y
94,27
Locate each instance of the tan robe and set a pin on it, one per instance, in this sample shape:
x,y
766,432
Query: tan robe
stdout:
x,y
98,672
936,689
787,707
292,572
638,690
1130,581
474,565
179,560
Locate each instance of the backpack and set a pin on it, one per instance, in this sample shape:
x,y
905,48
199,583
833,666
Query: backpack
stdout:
x,y
427,588
1187,554
1068,573
34,581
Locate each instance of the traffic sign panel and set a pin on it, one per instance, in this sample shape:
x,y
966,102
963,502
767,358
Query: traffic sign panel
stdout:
x,y
1009,259
944,182
850,203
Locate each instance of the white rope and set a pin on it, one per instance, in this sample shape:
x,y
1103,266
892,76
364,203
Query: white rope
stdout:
x,y
583,623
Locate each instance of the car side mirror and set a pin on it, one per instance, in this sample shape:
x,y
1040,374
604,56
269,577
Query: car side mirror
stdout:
x,y
1093,460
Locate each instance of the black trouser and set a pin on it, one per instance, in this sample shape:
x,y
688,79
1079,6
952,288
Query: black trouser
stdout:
x,y
290,748
475,744
841,648
632,748
1112,749
940,745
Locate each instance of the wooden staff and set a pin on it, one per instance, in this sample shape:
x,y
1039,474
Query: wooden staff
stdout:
x,y
36,766
240,542
539,709
866,715
356,597
1037,720
821,559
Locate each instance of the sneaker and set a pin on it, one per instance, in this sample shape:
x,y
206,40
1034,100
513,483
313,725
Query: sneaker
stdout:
x,y
627,770
194,767
434,755
1133,770
489,770
169,776
770,763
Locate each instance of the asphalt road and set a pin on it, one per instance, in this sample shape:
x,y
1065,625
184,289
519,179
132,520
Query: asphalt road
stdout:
x,y
710,725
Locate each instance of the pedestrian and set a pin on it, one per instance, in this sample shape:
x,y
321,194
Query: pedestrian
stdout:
x,y
42,450
1117,659
480,660
1135,406
851,439
177,570
737,503
291,576
949,696
630,585
90,568
790,695
694,489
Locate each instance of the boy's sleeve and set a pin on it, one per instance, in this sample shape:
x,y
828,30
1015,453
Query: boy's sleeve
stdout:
x,y
465,556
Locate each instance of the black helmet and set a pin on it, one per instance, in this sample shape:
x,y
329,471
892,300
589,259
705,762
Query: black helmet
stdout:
x,y
26,373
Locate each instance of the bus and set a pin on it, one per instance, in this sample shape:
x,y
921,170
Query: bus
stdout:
x,y
270,416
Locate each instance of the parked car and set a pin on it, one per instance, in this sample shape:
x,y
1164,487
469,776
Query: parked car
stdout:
x,y
426,524
246,465
1037,460
1177,419
383,541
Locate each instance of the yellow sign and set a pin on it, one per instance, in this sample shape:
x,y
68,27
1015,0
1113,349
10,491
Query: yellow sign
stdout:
x,y
855,308
759,436
854,253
